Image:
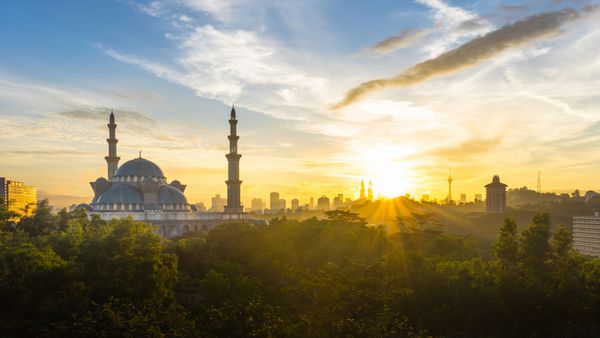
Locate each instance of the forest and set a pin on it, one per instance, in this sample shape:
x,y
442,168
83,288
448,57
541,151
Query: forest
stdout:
x,y
67,274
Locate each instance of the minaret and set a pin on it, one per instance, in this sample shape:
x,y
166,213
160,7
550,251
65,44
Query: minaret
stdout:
x,y
112,160
370,191
449,186
362,190
234,205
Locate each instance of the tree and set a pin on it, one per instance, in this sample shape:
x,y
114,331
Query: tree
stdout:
x,y
506,249
345,217
535,247
6,217
41,222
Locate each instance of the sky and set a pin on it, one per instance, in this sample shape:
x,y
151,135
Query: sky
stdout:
x,y
328,92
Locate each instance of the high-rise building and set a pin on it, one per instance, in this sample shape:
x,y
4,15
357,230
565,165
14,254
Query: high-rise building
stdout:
x,y
257,205
586,234
311,205
295,204
274,202
282,204
217,203
198,207
370,191
463,198
234,204
338,201
323,203
495,196
362,190
18,197
478,198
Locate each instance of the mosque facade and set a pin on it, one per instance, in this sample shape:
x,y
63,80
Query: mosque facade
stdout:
x,y
140,190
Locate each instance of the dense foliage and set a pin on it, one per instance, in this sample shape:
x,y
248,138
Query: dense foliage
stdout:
x,y
67,275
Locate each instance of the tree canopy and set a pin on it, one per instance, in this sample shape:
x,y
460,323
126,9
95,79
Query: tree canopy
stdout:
x,y
70,275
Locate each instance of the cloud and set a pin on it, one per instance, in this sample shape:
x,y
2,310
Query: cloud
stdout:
x,y
446,14
471,25
101,113
404,39
52,153
474,146
470,54
236,65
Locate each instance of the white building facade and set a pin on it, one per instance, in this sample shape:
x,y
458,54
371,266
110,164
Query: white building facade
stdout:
x,y
586,234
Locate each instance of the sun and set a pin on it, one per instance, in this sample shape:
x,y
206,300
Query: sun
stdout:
x,y
391,176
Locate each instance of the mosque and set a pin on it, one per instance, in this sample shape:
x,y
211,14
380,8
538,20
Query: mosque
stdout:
x,y
139,189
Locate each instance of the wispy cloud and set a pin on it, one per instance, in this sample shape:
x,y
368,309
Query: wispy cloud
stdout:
x,y
471,53
405,38
101,113
235,65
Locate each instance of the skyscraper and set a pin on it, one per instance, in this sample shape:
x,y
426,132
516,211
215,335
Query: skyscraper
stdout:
x,y
370,192
338,201
217,203
311,205
234,205
362,190
495,196
463,198
18,197
323,203
257,205
274,202
295,204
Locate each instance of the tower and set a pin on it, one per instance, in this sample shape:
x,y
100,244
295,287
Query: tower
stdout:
x,y
233,182
495,196
112,160
370,191
449,199
362,190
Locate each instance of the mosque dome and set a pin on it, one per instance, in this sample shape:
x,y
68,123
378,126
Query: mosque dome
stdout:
x,y
84,206
139,167
171,195
121,193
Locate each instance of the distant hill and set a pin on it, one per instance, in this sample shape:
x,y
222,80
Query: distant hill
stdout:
x,y
63,201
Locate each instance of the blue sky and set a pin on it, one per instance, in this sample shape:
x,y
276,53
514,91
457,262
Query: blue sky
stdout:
x,y
171,69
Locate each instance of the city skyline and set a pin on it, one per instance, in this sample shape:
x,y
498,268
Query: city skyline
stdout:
x,y
171,78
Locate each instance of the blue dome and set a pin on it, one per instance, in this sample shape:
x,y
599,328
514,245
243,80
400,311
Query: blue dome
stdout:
x,y
170,195
84,206
120,193
139,167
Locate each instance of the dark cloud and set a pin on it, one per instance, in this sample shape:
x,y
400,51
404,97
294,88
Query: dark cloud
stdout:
x,y
471,25
404,39
471,53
